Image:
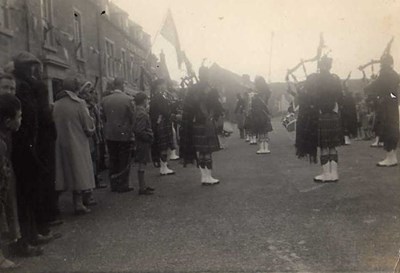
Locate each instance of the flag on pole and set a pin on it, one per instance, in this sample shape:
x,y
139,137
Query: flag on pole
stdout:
x,y
170,33
188,64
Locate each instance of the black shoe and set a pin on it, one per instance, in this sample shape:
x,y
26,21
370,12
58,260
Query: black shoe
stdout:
x,y
45,239
101,186
146,192
57,222
150,189
90,202
42,240
82,211
125,190
24,250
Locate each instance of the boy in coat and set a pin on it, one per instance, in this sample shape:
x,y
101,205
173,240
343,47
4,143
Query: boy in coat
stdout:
x,y
144,138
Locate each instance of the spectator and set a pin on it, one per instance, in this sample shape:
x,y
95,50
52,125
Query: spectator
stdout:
x,y
74,169
7,84
118,115
88,93
26,159
10,121
144,137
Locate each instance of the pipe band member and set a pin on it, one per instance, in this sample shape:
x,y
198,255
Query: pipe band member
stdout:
x,y
160,115
319,122
260,115
199,137
386,87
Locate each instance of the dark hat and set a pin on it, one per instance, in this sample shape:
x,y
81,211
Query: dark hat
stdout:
x,y
204,72
140,97
325,61
387,59
25,57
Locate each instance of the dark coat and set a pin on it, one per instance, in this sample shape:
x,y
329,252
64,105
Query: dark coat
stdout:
x,y
26,143
118,113
143,136
8,199
200,111
386,88
320,95
162,129
260,116
348,113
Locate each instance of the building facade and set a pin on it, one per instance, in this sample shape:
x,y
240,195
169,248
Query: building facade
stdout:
x,y
94,38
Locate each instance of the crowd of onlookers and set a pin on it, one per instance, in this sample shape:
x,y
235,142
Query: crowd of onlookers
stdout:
x,y
50,148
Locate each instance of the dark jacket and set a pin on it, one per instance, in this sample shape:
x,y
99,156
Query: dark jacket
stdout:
x,y
118,114
198,108
143,135
385,87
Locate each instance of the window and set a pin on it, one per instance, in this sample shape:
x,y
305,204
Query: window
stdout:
x,y
4,15
125,65
110,64
78,35
132,68
47,18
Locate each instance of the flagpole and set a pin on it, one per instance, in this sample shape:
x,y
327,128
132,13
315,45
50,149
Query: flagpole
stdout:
x,y
158,32
270,57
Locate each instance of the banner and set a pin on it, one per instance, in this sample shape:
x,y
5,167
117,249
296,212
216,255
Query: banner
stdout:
x,y
170,33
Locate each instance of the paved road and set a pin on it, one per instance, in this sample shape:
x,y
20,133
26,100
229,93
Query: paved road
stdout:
x,y
266,216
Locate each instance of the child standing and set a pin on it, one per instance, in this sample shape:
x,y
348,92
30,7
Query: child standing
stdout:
x,y
144,138
10,121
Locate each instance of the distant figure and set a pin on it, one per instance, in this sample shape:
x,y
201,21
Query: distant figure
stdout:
x,y
260,115
349,116
240,114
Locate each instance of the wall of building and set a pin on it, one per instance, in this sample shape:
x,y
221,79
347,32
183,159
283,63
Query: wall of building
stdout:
x,y
59,49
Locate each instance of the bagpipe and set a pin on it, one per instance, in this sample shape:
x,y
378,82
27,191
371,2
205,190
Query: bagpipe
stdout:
x,y
289,121
372,98
373,62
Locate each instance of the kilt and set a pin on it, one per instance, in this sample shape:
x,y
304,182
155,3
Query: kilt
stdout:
x,y
205,138
261,125
390,126
247,123
163,137
142,152
263,137
330,133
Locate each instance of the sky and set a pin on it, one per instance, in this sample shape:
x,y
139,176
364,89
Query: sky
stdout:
x,y
237,34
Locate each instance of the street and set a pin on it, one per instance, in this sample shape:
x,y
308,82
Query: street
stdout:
x,y
266,215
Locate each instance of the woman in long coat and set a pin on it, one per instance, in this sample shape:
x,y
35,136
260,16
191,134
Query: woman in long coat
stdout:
x,y
74,169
